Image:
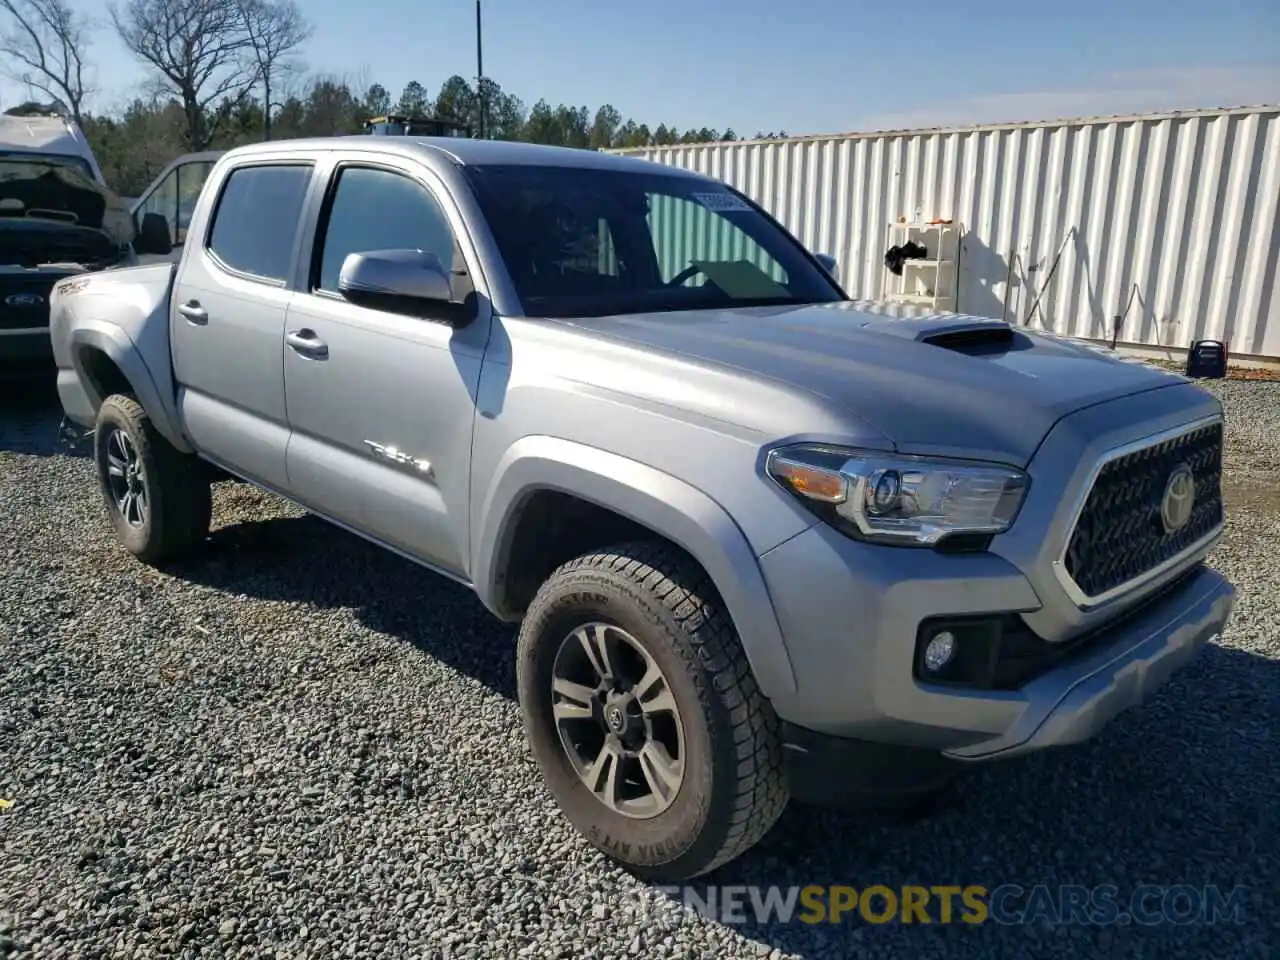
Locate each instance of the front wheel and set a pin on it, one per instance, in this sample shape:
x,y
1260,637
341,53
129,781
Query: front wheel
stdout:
x,y
157,498
644,716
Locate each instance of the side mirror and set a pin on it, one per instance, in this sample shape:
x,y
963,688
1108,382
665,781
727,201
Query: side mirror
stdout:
x,y
828,262
153,235
400,281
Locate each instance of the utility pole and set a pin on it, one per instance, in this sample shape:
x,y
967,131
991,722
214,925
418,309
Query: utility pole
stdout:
x,y
480,70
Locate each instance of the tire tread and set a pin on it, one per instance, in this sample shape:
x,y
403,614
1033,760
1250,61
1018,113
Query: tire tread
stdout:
x,y
689,595
181,499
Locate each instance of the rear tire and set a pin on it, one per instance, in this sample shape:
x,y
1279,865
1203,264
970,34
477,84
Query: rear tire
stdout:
x,y
666,623
157,498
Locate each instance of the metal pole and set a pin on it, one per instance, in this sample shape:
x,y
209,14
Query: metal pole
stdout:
x,y
480,70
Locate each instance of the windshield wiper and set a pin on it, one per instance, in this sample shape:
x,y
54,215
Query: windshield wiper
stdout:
x,y
740,303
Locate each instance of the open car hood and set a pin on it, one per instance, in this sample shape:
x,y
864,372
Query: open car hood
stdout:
x,y
63,195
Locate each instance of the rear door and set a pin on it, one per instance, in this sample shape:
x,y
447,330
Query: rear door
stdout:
x,y
229,304
381,404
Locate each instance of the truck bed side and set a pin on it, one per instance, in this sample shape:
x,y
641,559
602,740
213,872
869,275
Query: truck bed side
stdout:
x,y
110,333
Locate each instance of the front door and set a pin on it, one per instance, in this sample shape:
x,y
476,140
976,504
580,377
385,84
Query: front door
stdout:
x,y
227,328
381,404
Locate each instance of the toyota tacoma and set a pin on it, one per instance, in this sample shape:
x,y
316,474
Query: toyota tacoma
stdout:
x,y
762,541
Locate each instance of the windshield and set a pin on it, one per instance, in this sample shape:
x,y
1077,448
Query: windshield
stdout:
x,y
49,187
587,243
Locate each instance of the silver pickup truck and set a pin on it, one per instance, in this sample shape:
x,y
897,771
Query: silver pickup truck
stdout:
x,y
762,542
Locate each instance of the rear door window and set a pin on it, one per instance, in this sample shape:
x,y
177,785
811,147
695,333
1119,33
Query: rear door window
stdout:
x,y
256,220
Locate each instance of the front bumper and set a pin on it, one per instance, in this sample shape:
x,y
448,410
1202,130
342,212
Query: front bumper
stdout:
x,y
26,350
850,612
1119,671
837,771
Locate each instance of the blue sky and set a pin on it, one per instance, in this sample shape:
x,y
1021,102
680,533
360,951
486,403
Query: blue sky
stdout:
x,y
806,66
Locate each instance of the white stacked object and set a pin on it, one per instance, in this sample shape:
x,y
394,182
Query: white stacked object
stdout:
x,y
931,280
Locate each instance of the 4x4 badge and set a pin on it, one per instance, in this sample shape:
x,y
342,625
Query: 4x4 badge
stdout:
x,y
399,457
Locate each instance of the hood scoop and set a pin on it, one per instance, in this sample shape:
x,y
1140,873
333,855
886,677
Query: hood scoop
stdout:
x,y
975,337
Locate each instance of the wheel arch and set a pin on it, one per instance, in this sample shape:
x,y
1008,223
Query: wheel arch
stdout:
x,y
625,498
105,360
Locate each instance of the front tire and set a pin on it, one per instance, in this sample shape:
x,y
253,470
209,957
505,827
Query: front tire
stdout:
x,y
643,714
157,498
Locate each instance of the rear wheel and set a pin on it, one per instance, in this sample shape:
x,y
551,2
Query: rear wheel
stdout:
x,y
157,498
643,713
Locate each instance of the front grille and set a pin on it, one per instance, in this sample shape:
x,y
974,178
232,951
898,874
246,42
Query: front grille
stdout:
x,y
1119,535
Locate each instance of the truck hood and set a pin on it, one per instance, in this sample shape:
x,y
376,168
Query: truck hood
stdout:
x,y
54,213
946,385
30,242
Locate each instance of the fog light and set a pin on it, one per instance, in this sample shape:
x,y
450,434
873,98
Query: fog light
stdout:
x,y
939,651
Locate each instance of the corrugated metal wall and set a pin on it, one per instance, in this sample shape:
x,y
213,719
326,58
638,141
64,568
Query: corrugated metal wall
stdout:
x,y
684,231
1169,220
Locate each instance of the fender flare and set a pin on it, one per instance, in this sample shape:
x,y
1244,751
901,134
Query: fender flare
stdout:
x,y
121,350
664,504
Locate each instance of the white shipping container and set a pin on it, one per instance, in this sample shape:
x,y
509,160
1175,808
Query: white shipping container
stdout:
x,y
1169,221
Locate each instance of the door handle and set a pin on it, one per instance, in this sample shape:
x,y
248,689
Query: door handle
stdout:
x,y
306,343
194,312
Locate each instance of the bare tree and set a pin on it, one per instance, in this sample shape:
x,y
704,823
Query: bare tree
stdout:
x,y
275,29
43,46
199,50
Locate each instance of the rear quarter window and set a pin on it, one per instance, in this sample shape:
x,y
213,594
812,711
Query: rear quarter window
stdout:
x,y
256,219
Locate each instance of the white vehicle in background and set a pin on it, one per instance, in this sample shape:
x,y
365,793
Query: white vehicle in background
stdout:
x,y
58,217
49,134
172,195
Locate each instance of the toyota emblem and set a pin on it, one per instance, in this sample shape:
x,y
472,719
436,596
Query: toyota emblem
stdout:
x,y
1179,499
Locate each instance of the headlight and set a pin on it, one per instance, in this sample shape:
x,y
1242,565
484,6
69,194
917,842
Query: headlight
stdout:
x,y
909,501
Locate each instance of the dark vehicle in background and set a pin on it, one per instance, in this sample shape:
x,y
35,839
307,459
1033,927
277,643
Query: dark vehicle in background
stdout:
x,y
58,218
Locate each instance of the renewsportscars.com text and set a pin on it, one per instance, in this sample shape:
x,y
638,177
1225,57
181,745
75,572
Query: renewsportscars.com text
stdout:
x,y
1008,904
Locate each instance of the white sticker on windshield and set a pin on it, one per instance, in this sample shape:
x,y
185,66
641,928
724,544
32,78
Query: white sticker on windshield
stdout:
x,y
722,202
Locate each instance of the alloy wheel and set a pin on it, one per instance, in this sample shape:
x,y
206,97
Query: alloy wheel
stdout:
x,y
618,721
126,479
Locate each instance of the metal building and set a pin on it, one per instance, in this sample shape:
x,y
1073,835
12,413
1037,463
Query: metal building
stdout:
x,y
1168,222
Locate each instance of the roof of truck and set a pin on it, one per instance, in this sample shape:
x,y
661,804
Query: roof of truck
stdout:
x,y
468,152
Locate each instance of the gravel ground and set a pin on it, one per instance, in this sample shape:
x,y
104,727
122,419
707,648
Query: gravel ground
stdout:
x,y
302,746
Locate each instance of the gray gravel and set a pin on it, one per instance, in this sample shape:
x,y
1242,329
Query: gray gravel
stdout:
x,y
301,746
